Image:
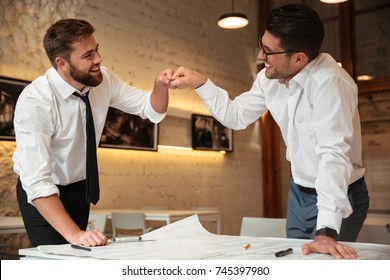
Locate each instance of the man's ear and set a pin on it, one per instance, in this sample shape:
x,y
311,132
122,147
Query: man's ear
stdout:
x,y
60,62
301,58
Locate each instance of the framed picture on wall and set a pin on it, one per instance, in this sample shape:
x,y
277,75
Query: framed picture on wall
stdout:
x,y
210,134
126,131
10,90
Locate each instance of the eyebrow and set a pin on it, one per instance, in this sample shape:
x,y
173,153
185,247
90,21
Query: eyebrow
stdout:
x,y
265,47
261,42
90,51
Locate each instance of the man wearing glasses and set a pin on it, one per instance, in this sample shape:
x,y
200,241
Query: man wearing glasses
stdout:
x,y
314,102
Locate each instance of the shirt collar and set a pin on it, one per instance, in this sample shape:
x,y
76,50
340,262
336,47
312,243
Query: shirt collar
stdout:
x,y
62,87
301,76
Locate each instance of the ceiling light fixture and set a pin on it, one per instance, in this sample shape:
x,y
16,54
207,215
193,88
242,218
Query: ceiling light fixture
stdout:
x,y
233,20
365,77
333,1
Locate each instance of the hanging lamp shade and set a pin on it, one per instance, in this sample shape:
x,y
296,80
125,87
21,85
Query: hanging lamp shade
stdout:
x,y
333,1
233,20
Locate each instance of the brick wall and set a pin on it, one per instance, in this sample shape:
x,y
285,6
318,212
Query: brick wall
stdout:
x,y
138,39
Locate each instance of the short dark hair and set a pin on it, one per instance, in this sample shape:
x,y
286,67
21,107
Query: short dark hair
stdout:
x,y
61,35
299,28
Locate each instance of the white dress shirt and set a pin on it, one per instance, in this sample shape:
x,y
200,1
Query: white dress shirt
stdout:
x,y
320,124
51,132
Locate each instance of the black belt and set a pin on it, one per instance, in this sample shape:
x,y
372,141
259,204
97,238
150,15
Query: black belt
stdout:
x,y
313,190
307,190
76,187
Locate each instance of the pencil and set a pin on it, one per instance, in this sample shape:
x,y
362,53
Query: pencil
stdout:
x,y
126,239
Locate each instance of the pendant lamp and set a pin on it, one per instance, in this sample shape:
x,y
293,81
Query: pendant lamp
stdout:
x,y
333,1
233,20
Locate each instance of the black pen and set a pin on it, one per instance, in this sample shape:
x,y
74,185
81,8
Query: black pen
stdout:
x,y
284,253
81,247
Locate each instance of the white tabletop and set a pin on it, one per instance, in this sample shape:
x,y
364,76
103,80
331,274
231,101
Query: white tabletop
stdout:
x,y
188,240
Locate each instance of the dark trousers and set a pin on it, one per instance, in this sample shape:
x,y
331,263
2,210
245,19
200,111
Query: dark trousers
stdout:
x,y
39,231
302,212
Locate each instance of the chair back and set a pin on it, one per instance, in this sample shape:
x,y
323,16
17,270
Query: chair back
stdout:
x,y
263,227
131,222
98,221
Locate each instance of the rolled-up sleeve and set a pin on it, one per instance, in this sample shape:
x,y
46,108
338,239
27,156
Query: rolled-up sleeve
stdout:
x,y
32,161
132,100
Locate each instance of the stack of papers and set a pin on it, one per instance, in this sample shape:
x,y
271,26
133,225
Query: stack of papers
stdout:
x,y
187,239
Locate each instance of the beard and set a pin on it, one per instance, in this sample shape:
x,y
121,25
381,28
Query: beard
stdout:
x,y
85,78
284,75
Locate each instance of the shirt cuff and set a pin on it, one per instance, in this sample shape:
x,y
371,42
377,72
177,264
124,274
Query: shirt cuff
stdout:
x,y
205,91
329,219
44,191
152,115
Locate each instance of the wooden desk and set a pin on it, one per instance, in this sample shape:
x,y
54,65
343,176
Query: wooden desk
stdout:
x,y
168,216
11,225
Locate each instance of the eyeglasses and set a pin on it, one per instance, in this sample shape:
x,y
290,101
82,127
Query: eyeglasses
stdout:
x,y
266,54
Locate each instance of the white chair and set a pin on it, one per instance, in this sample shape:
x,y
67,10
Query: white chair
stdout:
x,y
98,221
263,227
131,222
153,225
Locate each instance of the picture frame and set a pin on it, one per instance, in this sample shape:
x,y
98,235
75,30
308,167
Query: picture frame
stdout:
x,y
127,131
10,89
210,135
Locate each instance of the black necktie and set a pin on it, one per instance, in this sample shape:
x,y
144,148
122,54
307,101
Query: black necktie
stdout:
x,y
92,174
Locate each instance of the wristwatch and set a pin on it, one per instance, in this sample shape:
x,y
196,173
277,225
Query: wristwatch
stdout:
x,y
330,232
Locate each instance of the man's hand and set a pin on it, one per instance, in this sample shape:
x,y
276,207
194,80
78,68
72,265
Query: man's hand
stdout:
x,y
184,78
52,209
160,98
89,238
163,80
326,245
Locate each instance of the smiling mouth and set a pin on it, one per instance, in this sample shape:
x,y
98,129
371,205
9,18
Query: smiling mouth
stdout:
x,y
95,70
267,66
